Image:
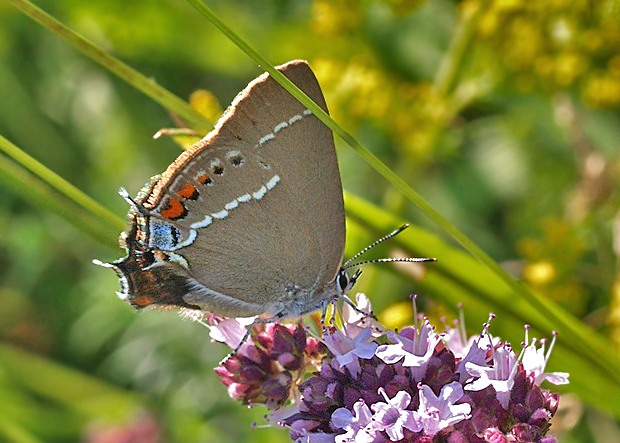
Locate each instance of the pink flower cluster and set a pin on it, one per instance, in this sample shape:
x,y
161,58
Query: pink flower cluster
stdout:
x,y
362,384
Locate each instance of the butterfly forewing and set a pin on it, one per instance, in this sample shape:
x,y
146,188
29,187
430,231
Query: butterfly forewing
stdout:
x,y
254,209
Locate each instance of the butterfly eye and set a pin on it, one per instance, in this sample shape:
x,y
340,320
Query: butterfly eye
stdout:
x,y
343,281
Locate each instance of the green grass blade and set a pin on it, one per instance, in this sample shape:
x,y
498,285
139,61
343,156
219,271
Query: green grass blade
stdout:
x,y
577,339
13,432
458,278
88,396
558,321
144,84
50,190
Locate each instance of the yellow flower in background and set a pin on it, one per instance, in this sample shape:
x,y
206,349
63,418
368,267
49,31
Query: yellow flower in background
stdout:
x,y
540,273
206,104
602,90
564,44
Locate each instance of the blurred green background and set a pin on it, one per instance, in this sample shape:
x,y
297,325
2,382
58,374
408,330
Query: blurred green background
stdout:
x,y
503,114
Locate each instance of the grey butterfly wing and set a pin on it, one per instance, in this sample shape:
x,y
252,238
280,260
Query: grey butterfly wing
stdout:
x,y
270,216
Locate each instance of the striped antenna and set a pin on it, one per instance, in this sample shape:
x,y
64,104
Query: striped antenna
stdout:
x,y
348,264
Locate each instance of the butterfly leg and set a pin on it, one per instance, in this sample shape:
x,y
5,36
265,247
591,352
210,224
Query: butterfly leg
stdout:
x,y
350,302
256,321
324,305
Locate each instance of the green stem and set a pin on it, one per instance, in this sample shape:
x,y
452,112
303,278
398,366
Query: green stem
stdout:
x,y
443,84
451,63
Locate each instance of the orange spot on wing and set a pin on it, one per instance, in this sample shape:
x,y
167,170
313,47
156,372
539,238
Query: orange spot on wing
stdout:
x,y
142,301
188,191
204,179
173,210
